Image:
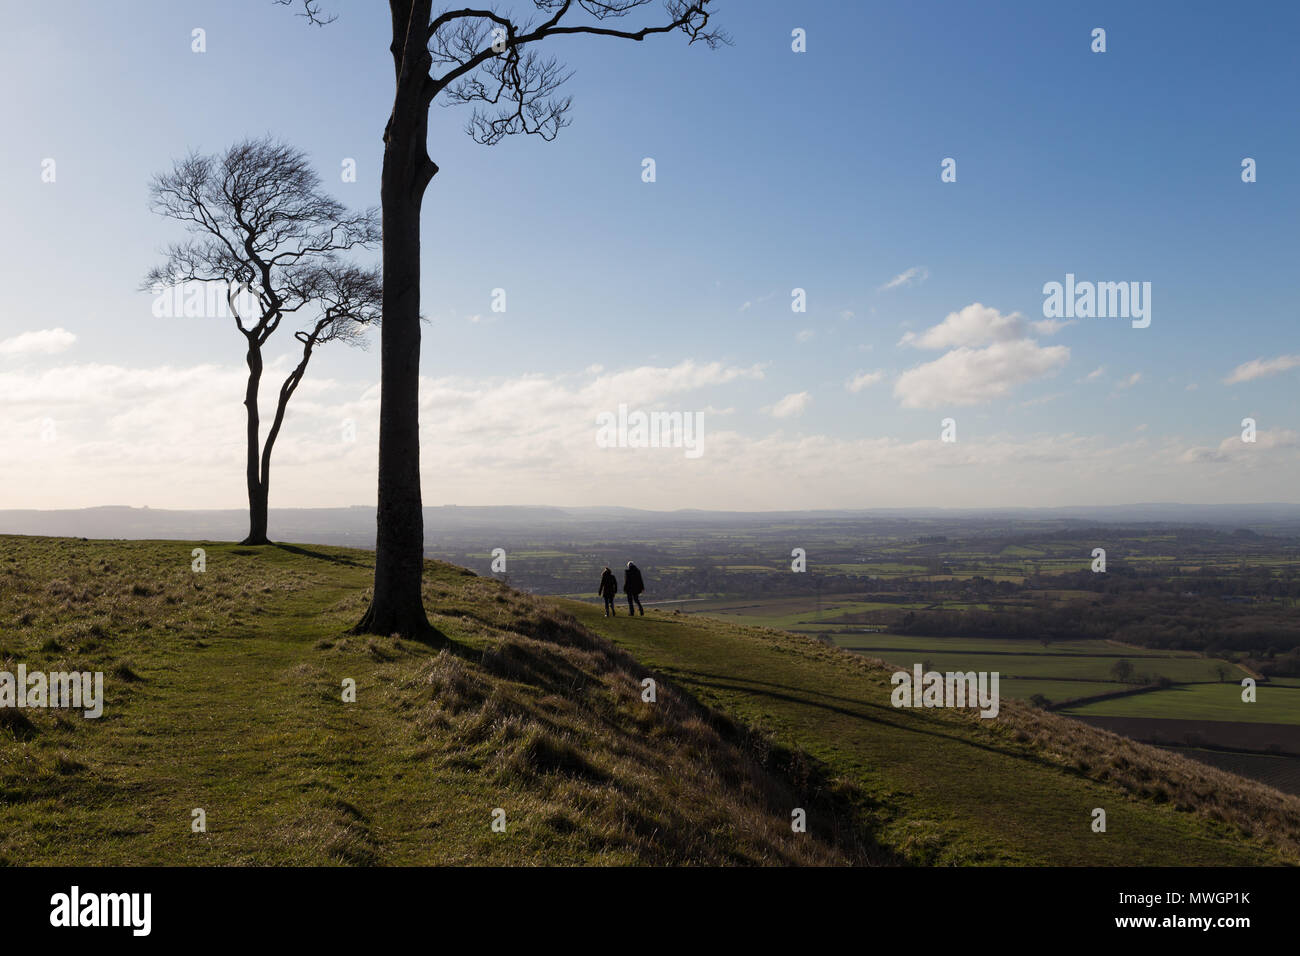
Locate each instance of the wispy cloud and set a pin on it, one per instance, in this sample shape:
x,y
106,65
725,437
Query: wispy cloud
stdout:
x,y
40,342
907,277
791,406
1233,449
1050,326
864,380
749,304
1262,368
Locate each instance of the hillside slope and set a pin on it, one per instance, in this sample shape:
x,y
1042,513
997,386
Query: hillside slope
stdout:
x,y
945,786
224,692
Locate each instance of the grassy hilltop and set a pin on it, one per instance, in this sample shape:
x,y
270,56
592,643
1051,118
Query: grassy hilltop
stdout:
x,y
224,692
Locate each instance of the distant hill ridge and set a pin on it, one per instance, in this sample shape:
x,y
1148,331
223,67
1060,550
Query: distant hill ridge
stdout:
x,y
355,525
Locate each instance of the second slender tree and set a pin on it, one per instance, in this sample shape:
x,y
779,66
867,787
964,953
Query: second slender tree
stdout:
x,y
264,233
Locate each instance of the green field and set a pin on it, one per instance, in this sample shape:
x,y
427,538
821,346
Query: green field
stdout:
x,y
1059,671
786,613
1056,690
914,645
1273,704
1094,667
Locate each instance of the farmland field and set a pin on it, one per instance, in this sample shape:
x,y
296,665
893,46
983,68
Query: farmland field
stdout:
x,y
1273,705
1153,646
1083,667
1059,670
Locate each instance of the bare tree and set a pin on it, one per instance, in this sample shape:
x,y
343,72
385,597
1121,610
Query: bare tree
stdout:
x,y
262,229
487,58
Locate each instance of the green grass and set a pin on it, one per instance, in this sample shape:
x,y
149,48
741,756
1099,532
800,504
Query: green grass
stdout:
x,y
234,705
787,612
1273,704
946,787
223,692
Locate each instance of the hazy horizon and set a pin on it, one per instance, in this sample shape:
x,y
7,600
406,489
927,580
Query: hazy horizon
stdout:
x,y
485,525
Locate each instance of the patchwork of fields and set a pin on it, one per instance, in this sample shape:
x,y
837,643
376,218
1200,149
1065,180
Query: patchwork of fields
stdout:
x,y
1180,699
1059,671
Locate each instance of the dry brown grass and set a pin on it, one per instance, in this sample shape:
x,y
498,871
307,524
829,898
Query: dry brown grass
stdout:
x,y
543,705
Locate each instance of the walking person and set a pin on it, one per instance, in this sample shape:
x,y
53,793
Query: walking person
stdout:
x,y
608,589
633,585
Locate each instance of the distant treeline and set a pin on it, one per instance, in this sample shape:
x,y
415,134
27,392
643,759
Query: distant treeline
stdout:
x,y
1267,632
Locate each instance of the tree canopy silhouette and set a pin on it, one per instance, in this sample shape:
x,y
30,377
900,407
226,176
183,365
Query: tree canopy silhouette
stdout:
x,y
261,227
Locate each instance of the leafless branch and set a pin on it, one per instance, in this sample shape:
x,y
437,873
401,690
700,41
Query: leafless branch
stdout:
x,y
311,11
259,220
485,57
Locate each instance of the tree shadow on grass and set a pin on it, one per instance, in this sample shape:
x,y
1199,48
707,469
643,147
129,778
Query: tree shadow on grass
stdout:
x,y
320,555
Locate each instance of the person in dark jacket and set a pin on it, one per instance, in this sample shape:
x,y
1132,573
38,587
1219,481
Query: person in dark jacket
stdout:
x,y
633,585
608,589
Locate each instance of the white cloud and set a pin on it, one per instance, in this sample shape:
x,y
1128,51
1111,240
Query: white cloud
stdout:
x,y
1130,381
1233,449
967,376
791,406
1095,374
976,324
864,380
970,374
804,335
1262,368
1050,326
42,342
907,277
172,437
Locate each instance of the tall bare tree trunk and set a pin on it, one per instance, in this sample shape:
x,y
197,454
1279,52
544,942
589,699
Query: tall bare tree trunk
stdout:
x,y
257,489
397,605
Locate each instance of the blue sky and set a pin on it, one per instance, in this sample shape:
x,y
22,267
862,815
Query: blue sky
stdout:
x,y
774,170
